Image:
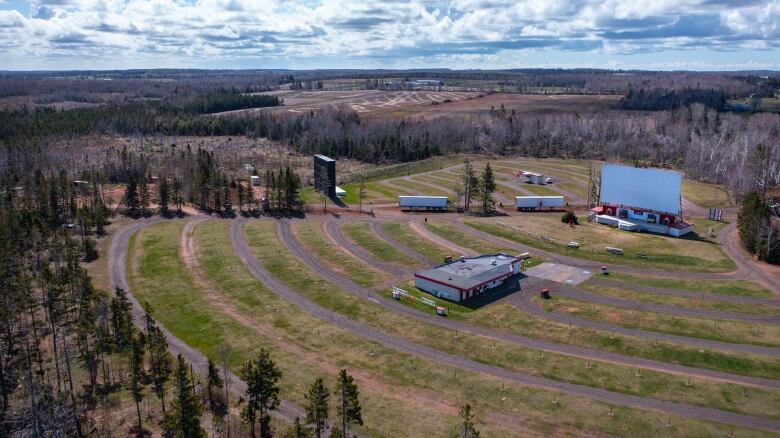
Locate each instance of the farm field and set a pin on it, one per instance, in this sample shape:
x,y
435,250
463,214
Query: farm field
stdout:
x,y
428,104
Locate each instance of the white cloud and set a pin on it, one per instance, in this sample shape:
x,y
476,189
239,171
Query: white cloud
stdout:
x,y
290,33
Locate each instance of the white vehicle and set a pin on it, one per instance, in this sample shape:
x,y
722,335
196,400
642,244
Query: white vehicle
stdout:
x,y
573,244
548,180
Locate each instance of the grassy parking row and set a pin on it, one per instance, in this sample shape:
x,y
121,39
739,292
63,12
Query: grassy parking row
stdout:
x,y
721,287
401,232
738,332
311,235
640,249
360,232
620,290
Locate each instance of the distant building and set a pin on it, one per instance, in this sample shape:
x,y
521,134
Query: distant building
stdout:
x,y
467,277
532,177
325,174
641,199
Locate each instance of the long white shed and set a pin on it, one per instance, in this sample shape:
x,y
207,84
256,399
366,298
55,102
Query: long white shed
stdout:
x,y
423,202
538,202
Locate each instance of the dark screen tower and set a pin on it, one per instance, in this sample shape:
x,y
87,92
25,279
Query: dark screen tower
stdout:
x,y
325,174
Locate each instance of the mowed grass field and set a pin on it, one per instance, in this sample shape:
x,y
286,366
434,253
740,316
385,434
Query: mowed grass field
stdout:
x,y
546,231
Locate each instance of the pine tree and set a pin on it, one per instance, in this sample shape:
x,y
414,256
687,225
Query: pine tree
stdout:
x,y
131,197
159,364
176,195
487,186
163,196
348,407
213,380
467,428
121,319
470,184
261,376
183,421
297,430
250,197
317,406
241,198
144,190
137,375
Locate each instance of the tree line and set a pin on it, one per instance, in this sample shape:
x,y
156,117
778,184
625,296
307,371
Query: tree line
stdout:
x,y
664,99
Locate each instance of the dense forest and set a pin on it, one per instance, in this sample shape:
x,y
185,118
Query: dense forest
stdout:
x,y
665,99
707,144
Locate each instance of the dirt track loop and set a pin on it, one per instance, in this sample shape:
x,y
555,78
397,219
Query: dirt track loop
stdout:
x,y
118,279
245,253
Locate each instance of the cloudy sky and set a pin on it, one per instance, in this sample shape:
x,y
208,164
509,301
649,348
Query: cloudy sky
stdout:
x,y
647,34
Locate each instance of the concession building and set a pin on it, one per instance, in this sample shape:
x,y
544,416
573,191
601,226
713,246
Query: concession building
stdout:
x,y
468,276
641,199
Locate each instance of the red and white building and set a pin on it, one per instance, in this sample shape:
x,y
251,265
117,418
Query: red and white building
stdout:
x,y
641,199
467,277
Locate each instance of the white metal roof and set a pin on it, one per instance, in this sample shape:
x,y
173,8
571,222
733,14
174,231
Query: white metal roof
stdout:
x,y
646,188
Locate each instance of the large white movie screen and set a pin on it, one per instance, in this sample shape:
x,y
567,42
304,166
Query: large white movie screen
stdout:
x,y
649,189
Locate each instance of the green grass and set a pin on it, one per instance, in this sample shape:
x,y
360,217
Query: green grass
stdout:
x,y
706,195
401,232
737,332
575,189
412,186
653,256
360,232
612,377
722,287
460,238
626,291
312,236
536,189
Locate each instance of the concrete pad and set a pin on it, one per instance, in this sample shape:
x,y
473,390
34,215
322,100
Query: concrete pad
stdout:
x,y
559,273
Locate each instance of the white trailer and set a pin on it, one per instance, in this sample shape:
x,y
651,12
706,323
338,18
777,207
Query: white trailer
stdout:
x,y
423,202
538,202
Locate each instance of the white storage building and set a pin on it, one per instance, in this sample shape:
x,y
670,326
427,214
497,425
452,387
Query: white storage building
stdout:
x,y
539,202
423,202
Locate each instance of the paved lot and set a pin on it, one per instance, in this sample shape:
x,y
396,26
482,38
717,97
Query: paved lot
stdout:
x,y
559,273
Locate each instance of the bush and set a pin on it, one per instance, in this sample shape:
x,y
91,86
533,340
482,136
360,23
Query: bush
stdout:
x,y
570,217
